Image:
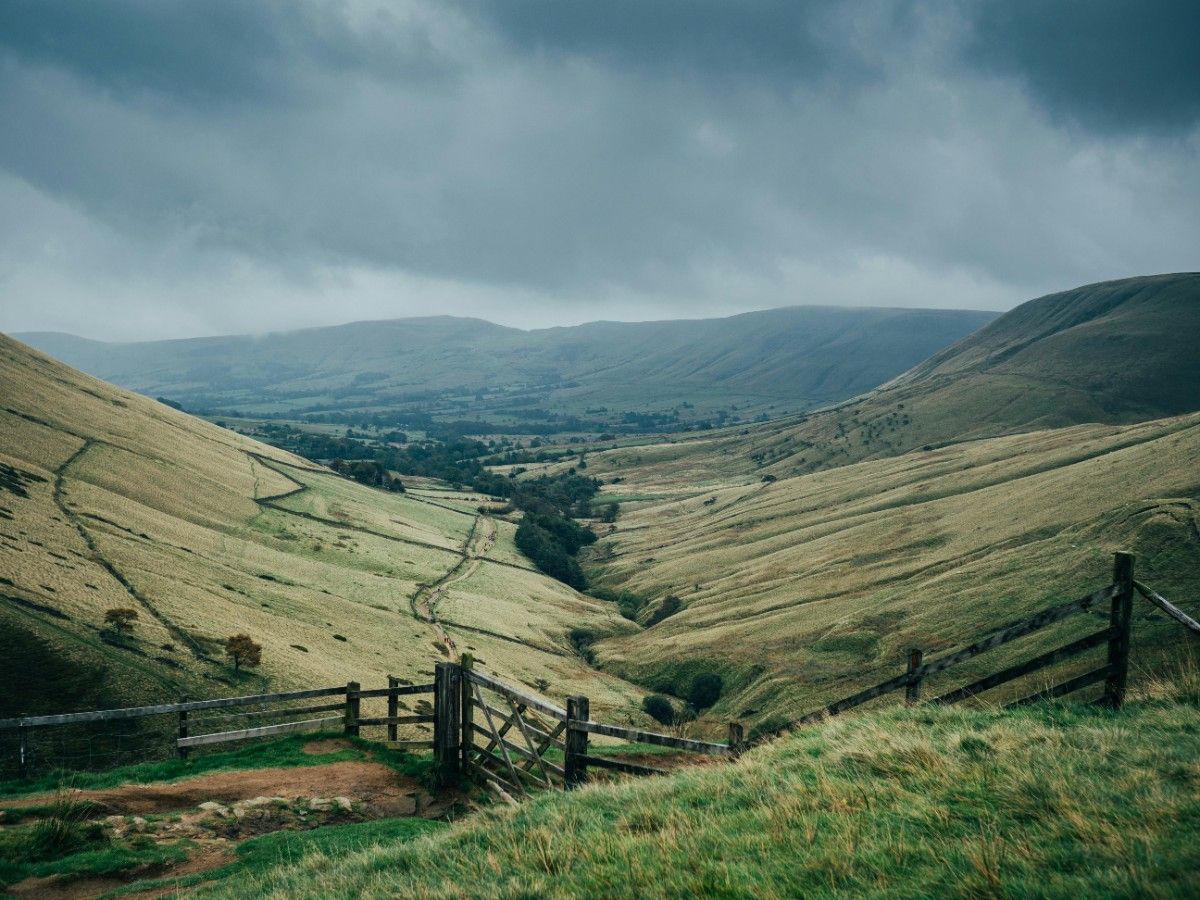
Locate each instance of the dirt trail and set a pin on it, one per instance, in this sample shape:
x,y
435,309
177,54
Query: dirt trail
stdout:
x,y
475,549
60,476
380,789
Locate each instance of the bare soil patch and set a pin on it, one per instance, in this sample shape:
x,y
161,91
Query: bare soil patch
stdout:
x,y
382,791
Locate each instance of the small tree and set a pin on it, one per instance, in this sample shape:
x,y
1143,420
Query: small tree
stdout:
x,y
244,651
121,619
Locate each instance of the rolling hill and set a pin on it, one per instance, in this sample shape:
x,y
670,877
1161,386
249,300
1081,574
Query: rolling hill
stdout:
x,y
111,500
775,360
1116,352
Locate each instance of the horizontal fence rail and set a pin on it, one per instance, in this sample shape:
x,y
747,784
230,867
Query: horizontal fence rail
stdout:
x,y
42,740
1168,607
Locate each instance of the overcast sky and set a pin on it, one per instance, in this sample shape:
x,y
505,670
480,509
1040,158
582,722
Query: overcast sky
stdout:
x,y
182,168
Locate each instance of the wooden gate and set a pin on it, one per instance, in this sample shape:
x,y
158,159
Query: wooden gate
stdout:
x,y
507,735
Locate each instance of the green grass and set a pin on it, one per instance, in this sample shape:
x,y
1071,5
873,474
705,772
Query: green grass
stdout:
x,y
257,857
65,842
1055,800
283,753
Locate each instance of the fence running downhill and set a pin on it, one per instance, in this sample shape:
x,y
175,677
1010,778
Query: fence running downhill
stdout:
x,y
514,742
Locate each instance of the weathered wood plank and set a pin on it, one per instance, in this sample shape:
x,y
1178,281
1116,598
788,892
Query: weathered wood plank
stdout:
x,y
532,702
395,720
1012,632
281,711
651,737
515,748
487,773
1025,668
1066,687
134,712
222,737
1121,619
498,739
533,751
524,774
606,762
1168,607
447,733
400,690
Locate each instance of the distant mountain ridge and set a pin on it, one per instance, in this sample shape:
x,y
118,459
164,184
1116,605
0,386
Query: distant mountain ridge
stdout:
x,y
799,357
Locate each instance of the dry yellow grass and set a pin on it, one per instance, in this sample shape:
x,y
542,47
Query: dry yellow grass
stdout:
x,y
802,589
130,503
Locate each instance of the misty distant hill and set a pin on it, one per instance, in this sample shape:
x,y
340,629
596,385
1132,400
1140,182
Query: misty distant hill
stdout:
x,y
679,371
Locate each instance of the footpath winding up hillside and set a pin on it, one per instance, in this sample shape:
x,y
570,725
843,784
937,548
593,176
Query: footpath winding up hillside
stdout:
x,y
111,500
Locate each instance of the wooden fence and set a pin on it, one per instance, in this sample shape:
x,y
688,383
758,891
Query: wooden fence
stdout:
x,y
514,741
203,723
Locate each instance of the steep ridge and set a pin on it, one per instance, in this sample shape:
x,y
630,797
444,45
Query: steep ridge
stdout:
x,y
111,500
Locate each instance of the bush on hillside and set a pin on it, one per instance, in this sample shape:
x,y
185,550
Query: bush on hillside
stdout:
x,y
668,607
659,708
705,690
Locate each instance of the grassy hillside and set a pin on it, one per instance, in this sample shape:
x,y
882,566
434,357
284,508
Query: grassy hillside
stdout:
x,y
1051,801
801,590
775,360
108,499
1117,352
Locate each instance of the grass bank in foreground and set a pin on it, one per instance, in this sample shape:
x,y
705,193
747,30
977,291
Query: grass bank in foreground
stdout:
x,y
1052,800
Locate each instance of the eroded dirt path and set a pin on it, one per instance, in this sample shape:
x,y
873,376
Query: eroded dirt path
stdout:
x,y
210,814
475,549
380,790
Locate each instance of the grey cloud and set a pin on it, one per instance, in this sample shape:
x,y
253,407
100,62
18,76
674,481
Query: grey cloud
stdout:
x,y
536,163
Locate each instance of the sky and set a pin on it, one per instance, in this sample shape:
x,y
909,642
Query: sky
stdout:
x,y
171,169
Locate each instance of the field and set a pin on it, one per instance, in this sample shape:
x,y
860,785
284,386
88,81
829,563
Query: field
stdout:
x,y
111,500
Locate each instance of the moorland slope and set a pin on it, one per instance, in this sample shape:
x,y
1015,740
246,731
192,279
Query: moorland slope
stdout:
x,y
111,500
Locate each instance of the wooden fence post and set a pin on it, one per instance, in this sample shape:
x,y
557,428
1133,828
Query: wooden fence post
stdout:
x,y
183,732
393,706
575,766
466,741
350,725
23,739
447,694
1120,619
736,738
912,690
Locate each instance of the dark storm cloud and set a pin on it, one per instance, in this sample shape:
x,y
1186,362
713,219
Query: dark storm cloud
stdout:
x,y
215,51
1109,65
171,167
